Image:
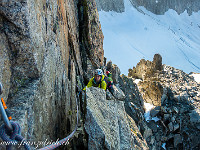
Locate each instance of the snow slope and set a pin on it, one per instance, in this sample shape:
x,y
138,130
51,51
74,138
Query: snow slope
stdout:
x,y
138,33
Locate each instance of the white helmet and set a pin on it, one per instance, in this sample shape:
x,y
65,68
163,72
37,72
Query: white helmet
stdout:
x,y
98,72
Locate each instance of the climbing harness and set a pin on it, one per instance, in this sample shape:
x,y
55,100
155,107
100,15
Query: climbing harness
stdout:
x,y
65,140
10,131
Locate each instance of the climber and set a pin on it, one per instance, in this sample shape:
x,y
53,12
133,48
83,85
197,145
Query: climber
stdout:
x,y
97,80
109,82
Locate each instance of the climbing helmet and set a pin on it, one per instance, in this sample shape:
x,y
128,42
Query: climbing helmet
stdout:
x,y
98,72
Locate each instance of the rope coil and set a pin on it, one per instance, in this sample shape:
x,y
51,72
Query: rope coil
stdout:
x,y
12,138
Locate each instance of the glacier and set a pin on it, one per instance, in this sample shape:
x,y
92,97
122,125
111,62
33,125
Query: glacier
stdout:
x,y
139,34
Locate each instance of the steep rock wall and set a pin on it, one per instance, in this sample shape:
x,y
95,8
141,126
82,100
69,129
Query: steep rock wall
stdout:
x,y
43,60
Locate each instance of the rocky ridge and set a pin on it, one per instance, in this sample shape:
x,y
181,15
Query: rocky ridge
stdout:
x,y
176,98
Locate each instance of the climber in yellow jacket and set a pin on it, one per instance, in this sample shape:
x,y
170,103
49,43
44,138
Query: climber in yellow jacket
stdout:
x,y
97,80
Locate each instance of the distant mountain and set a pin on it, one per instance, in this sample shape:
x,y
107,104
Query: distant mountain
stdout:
x,y
156,6
134,33
110,5
161,6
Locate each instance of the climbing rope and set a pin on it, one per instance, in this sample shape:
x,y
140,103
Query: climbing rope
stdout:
x,y
10,131
61,142
12,138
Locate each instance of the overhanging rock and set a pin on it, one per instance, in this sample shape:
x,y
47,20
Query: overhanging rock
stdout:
x,y
107,124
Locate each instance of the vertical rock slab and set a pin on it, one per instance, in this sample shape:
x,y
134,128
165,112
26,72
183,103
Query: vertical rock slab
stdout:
x,y
90,37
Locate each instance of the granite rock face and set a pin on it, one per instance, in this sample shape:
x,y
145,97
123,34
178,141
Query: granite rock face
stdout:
x,y
108,125
146,68
46,47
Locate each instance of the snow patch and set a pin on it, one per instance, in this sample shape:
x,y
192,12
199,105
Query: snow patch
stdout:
x,y
155,119
137,81
196,77
163,146
148,107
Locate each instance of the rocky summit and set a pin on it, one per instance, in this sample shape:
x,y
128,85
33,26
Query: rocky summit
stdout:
x,y
49,51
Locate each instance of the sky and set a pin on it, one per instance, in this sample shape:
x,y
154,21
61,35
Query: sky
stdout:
x,y
134,35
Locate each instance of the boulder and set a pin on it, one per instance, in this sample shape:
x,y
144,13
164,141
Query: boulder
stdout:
x,y
177,139
118,93
166,117
152,125
147,132
176,126
154,112
170,126
195,116
195,141
107,124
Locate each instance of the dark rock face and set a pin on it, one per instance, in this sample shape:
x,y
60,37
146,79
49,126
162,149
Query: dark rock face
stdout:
x,y
134,102
157,62
161,6
110,5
